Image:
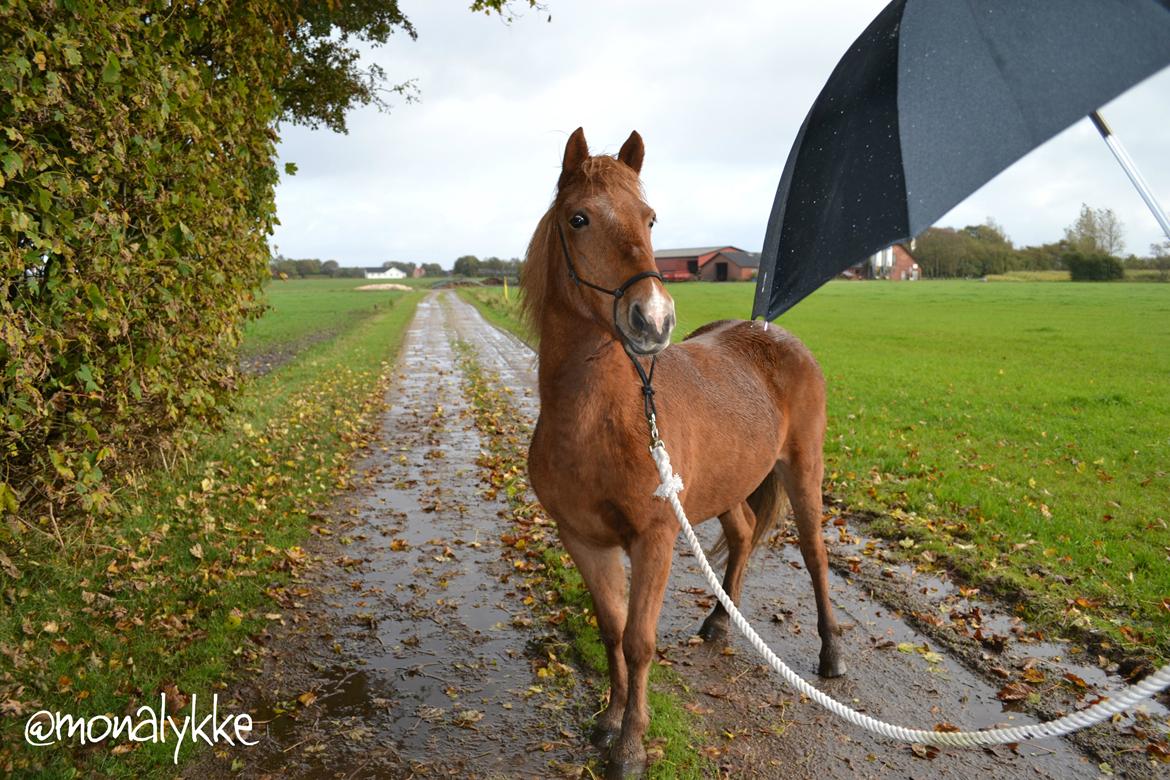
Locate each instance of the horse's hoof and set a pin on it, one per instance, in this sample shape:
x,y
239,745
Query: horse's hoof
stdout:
x,y
625,769
831,666
714,629
604,736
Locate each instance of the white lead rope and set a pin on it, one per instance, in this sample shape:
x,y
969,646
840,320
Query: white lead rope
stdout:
x,y
671,485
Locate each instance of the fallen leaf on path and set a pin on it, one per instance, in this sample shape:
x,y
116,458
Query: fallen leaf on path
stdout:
x,y
1014,691
1033,675
467,718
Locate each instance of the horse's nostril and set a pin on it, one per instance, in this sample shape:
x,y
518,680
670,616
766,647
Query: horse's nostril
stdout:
x,y
636,318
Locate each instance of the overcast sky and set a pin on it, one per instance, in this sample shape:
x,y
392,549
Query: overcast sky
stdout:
x,y
718,92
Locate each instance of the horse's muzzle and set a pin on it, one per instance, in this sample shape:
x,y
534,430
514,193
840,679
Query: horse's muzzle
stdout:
x,y
650,325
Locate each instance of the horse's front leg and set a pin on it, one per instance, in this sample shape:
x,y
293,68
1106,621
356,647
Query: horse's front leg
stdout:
x,y
605,577
650,556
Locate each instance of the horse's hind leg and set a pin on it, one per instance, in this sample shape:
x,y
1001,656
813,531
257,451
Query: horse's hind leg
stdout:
x,y
605,576
737,531
802,473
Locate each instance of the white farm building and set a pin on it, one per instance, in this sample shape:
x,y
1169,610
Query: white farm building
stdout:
x,y
384,273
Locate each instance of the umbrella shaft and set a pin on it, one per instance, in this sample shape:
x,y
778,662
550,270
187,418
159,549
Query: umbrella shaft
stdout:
x,y
1131,170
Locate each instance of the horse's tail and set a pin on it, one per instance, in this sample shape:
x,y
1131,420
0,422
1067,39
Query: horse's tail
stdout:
x,y
769,503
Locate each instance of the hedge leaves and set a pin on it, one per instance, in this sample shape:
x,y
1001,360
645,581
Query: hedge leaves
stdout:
x,y
137,167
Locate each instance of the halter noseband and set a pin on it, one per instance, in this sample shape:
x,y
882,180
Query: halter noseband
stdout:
x,y
617,293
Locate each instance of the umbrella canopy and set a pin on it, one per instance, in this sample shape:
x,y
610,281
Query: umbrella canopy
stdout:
x,y
932,101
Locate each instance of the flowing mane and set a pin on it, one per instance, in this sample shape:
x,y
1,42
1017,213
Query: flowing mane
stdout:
x,y
597,174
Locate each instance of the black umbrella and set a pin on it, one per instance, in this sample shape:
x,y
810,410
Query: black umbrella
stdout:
x,y
933,100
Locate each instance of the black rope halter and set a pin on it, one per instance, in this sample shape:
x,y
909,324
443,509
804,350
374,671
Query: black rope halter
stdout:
x,y
647,378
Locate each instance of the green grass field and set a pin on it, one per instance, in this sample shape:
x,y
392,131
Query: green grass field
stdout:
x,y
167,591
301,309
1019,433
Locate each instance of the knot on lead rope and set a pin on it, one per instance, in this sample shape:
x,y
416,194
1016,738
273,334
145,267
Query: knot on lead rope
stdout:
x,y
648,401
670,484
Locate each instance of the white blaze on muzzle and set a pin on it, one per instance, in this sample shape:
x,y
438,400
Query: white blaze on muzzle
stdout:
x,y
658,309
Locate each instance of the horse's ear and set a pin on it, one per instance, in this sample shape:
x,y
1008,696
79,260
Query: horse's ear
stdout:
x,y
632,152
576,152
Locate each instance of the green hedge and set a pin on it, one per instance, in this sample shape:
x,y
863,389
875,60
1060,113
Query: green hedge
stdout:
x,y
137,172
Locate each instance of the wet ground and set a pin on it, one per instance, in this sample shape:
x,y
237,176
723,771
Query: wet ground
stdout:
x,y
411,653
408,651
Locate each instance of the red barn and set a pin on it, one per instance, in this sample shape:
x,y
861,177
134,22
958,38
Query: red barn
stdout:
x,y
730,265
681,265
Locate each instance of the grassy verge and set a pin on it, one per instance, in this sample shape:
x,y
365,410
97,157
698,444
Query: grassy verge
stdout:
x,y
305,309
1014,433
548,569
164,596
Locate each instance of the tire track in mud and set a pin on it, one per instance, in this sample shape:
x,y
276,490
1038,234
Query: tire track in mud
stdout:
x,y
907,664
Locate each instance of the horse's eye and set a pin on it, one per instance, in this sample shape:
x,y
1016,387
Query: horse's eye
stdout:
x,y
578,221
653,221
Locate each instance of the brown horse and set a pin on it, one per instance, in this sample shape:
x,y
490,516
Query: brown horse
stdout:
x,y
741,410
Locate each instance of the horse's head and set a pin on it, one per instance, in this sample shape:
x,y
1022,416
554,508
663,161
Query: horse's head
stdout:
x,y
602,214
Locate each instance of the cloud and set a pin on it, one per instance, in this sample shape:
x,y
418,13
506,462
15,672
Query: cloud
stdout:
x,y
718,91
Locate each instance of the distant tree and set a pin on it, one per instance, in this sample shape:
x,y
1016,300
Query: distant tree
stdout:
x,y
991,251
406,268
310,267
990,230
1160,258
433,269
1045,257
470,265
976,250
283,266
330,267
939,252
467,265
1096,231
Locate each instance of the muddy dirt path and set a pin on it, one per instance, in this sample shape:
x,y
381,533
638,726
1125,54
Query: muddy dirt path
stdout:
x,y
406,652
